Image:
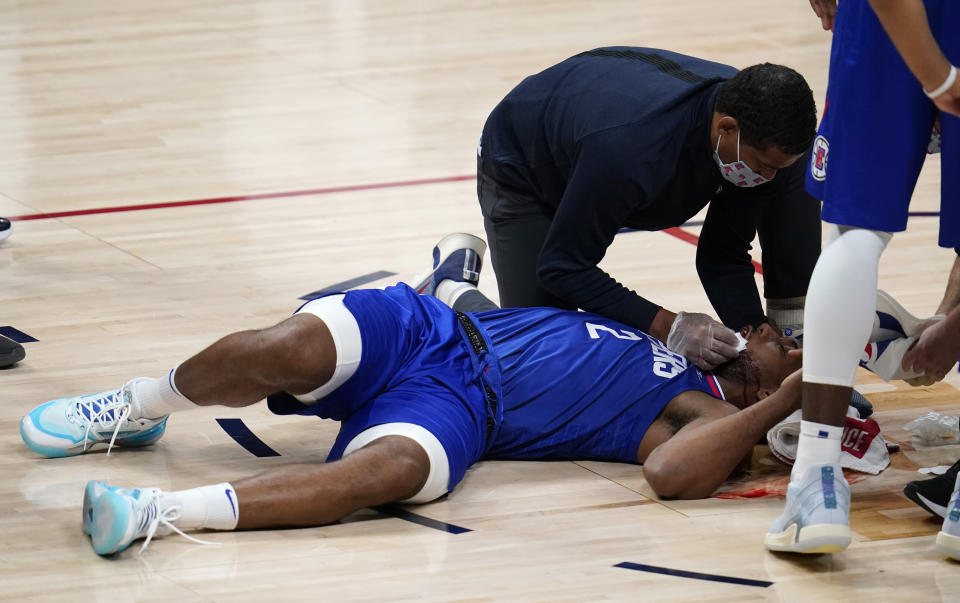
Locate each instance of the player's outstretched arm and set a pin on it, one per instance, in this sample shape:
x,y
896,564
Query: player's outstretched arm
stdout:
x,y
703,453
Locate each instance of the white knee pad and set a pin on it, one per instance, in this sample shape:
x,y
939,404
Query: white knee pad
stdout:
x,y
439,477
346,338
841,306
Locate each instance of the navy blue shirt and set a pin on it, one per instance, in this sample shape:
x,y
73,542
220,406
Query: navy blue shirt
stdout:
x,y
620,137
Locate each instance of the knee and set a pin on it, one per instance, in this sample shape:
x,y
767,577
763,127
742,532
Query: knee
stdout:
x,y
404,466
299,353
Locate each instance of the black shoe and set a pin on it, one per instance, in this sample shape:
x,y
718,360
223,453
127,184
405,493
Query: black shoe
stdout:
x,y
934,494
11,352
4,228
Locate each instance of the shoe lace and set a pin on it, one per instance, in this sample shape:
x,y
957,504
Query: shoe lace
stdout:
x,y
153,520
109,410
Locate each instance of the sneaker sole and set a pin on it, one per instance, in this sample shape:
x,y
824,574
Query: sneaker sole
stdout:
x,y
31,434
89,500
823,538
949,544
110,526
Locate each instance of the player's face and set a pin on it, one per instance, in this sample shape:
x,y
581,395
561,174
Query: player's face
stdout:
x,y
771,354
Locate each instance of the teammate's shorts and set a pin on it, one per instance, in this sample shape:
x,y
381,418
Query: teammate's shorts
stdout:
x,y
876,125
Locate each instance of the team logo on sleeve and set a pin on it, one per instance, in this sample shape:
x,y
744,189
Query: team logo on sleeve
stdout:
x,y
818,159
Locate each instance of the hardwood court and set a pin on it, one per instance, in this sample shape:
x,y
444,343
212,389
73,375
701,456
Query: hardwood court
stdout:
x,y
309,108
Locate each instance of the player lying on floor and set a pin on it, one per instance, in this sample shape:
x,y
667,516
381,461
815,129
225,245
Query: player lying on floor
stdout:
x,y
422,393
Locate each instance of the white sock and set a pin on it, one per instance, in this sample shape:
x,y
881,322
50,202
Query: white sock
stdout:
x,y
819,444
448,291
787,312
155,398
214,507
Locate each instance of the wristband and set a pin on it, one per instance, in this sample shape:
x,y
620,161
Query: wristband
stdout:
x,y
951,78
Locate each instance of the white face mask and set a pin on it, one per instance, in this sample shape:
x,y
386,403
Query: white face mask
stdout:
x,y
737,172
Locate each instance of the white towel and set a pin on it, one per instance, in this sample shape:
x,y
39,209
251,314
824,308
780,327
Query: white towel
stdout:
x,y
862,448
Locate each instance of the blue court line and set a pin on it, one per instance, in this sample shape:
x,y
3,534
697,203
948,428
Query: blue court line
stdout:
x,y
354,282
237,430
395,511
696,575
16,335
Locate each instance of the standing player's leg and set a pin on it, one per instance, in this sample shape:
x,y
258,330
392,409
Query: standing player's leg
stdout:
x,y
841,300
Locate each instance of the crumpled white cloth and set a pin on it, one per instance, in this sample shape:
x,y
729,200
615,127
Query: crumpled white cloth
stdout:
x,y
862,448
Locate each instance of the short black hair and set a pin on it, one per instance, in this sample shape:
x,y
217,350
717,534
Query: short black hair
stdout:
x,y
773,105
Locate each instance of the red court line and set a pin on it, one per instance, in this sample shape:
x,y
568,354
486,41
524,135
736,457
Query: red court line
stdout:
x,y
693,239
676,232
313,191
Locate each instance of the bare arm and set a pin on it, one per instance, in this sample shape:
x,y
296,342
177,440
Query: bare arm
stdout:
x,y
694,462
906,23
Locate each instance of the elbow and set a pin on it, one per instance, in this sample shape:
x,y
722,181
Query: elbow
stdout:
x,y
669,480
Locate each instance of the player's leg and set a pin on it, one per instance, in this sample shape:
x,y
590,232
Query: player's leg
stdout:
x,y
387,469
841,300
297,355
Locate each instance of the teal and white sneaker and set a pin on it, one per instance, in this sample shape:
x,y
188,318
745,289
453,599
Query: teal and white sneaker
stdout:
x,y
817,514
91,494
115,517
457,257
118,516
70,426
948,539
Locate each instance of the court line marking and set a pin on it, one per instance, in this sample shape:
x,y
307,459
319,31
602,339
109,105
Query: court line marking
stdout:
x,y
695,575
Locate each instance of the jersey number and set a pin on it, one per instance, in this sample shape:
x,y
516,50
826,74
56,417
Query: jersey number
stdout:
x,y
594,331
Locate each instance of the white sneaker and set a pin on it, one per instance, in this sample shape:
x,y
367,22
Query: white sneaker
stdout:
x,y
883,358
115,517
457,257
948,539
894,321
816,518
70,426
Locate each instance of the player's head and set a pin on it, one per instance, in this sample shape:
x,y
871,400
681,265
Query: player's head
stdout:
x,y
774,116
762,366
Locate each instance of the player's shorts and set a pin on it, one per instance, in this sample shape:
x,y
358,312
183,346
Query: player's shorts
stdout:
x,y
416,367
876,126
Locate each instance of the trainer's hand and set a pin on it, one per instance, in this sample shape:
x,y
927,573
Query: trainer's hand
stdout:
x,y
826,10
935,352
704,341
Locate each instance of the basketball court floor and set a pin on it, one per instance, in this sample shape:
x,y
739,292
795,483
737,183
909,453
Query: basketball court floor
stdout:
x,y
180,170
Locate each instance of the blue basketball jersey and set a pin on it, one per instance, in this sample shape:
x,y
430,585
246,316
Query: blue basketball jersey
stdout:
x,y
576,385
876,126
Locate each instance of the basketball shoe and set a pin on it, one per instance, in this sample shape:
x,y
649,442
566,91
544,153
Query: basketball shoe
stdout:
x,y
70,426
5,228
457,257
817,514
933,494
948,539
115,517
11,352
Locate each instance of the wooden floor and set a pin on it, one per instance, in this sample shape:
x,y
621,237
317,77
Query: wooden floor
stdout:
x,y
353,127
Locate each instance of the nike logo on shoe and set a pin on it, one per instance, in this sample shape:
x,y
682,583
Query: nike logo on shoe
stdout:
x,y
938,509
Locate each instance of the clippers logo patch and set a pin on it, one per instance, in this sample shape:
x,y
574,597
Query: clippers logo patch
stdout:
x,y
818,159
